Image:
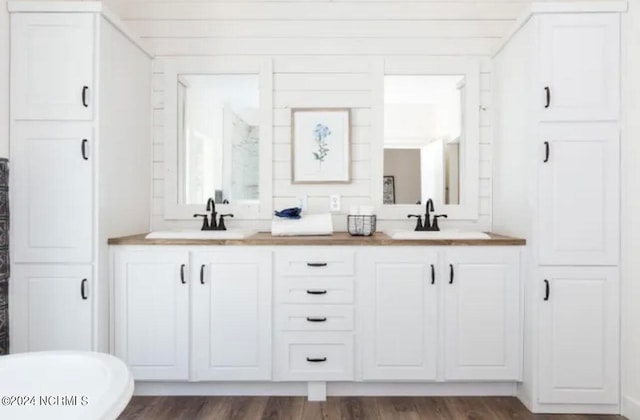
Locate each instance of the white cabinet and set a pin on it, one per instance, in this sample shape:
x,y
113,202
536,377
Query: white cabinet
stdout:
x,y
399,314
53,307
208,319
52,66
482,314
579,65
52,198
579,194
79,157
231,293
578,335
151,312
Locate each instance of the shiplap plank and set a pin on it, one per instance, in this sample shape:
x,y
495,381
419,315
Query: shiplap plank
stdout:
x,y
304,82
320,10
322,99
320,29
360,170
323,46
308,63
359,117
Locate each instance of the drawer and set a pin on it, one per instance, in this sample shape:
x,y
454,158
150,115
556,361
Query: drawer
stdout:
x,y
314,317
315,290
315,262
315,357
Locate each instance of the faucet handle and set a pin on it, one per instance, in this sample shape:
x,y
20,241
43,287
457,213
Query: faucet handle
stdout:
x,y
205,221
419,222
221,225
435,221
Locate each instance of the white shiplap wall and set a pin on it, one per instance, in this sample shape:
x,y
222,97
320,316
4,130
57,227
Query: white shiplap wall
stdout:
x,y
323,53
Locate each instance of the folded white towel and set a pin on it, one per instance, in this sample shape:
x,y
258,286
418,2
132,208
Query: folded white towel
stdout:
x,y
308,225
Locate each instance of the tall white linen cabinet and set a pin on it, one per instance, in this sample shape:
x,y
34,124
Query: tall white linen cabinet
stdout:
x,y
556,178
80,167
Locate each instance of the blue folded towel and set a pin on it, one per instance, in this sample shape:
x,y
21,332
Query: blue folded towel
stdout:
x,y
292,213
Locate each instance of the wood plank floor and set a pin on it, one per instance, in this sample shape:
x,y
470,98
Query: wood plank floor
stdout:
x,y
342,408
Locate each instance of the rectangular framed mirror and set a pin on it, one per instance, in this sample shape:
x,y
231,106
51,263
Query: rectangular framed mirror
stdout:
x,y
218,136
426,129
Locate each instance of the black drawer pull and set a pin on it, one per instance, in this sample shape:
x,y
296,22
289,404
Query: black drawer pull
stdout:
x,y
548,96
316,292
83,289
83,149
319,264
318,360
546,290
546,152
202,274
85,89
433,274
182,279
310,319
451,274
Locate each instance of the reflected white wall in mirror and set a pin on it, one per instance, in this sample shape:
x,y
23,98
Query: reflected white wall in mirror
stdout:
x,y
423,134
218,137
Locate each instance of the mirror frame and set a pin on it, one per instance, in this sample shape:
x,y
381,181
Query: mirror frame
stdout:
x,y
470,162
263,68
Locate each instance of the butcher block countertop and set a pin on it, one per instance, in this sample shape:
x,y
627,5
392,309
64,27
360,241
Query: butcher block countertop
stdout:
x,y
338,238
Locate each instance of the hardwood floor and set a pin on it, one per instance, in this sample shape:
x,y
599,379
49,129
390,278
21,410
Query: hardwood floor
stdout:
x,y
342,408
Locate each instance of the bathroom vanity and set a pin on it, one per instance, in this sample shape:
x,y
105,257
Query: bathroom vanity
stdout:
x,y
317,311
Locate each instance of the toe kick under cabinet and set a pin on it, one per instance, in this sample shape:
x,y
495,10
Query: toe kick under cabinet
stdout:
x,y
318,314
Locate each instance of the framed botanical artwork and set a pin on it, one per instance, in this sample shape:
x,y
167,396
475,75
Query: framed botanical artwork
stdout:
x,y
389,189
320,145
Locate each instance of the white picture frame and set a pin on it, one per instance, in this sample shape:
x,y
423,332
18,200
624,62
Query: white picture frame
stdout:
x,y
320,145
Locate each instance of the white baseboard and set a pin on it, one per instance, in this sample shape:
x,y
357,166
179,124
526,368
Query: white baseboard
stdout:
x,y
333,389
631,408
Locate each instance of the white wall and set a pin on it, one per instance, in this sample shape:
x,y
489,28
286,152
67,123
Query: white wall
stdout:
x,y
322,53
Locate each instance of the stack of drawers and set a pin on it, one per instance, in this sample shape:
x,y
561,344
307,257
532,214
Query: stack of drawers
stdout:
x,y
314,314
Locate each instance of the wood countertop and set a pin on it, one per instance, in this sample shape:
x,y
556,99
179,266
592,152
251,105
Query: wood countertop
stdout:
x,y
338,238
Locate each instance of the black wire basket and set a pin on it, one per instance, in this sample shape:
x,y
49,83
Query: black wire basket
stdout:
x,y
358,225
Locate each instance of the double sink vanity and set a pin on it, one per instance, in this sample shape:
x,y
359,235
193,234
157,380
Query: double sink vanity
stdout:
x,y
340,310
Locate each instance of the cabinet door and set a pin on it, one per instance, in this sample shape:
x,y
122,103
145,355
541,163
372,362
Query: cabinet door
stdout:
x,y
579,194
482,314
52,194
52,66
151,294
580,65
579,335
51,307
232,315
398,291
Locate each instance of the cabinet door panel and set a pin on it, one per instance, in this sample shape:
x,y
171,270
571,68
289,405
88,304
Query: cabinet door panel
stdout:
x,y
52,193
578,210
399,320
50,309
51,63
232,315
482,315
580,64
579,335
152,313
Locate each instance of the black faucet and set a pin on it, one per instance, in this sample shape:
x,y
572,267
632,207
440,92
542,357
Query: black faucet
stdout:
x,y
214,224
428,225
427,217
211,206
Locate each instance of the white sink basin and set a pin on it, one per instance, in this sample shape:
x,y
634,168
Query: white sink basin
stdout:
x,y
442,234
202,234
